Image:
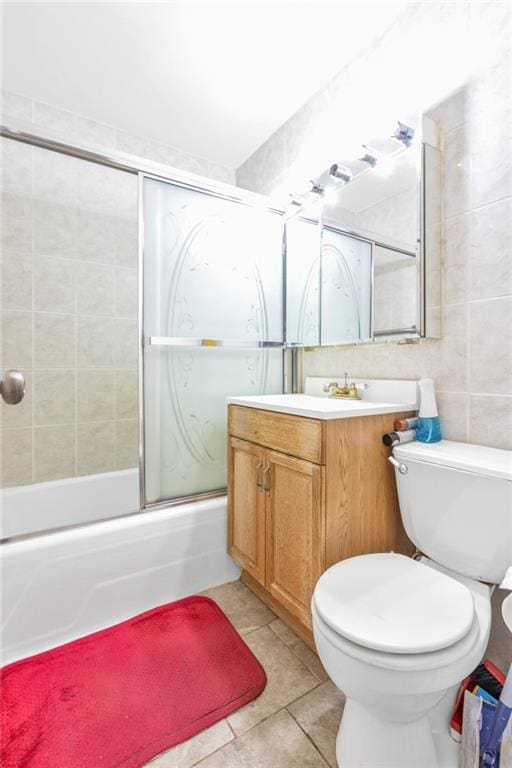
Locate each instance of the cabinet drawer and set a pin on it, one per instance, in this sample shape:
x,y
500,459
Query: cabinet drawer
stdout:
x,y
294,435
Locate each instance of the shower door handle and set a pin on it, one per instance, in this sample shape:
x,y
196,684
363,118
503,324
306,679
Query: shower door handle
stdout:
x,y
12,387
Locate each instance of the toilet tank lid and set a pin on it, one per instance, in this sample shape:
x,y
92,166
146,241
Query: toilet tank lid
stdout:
x,y
492,462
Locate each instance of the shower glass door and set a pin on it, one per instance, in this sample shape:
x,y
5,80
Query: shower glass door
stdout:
x,y
212,327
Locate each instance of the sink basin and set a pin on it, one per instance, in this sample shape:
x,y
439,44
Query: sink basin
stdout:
x,y
318,405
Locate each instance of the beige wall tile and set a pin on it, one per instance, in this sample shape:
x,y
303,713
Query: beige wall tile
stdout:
x,y
95,395
134,145
126,343
490,421
456,246
54,285
126,394
16,203
162,153
95,447
194,164
490,361
54,340
96,212
16,280
17,106
54,212
95,284
54,118
16,457
93,132
19,415
95,339
126,220
456,164
126,281
54,452
17,339
491,261
54,397
453,410
126,444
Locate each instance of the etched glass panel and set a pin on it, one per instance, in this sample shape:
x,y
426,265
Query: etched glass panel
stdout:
x,y
303,282
346,288
212,270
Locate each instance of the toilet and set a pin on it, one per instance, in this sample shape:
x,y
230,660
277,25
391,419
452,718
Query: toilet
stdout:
x,y
398,634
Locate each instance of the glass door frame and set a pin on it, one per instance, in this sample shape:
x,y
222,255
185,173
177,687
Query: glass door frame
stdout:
x,y
290,365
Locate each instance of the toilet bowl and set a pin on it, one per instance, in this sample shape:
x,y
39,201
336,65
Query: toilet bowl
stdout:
x,y
397,635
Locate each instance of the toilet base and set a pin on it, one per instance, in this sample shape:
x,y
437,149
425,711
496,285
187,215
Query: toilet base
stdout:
x,y
366,741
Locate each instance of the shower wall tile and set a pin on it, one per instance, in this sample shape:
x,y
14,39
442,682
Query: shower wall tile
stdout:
x,y
162,153
453,407
95,395
126,394
21,415
95,339
95,447
54,118
54,452
126,445
17,340
69,294
17,106
54,285
93,132
125,343
54,397
54,207
16,280
456,248
54,340
126,281
17,452
95,284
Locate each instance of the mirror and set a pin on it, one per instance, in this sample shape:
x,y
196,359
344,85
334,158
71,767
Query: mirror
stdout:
x,y
363,245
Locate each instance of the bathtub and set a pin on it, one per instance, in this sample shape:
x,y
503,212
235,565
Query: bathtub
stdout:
x,y
59,585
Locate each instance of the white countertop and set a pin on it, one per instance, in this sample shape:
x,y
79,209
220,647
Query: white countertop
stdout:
x,y
317,407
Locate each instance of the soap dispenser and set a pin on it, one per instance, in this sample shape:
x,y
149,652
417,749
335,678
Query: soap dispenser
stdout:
x,y
428,429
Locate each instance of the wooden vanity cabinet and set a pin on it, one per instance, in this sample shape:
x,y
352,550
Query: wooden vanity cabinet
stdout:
x,y
303,494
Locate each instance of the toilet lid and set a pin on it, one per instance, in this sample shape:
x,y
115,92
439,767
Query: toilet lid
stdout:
x,y
392,603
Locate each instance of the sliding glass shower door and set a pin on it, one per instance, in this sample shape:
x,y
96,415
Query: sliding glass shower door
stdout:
x,y
212,327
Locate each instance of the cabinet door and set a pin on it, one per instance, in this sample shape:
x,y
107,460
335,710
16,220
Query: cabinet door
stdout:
x,y
295,531
246,507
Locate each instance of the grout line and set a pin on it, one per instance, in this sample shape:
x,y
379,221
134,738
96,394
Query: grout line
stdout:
x,y
310,738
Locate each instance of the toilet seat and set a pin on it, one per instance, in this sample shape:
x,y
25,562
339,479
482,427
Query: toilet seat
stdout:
x,y
391,603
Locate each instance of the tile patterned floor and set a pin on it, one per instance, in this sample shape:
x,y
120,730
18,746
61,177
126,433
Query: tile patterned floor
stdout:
x,y
294,723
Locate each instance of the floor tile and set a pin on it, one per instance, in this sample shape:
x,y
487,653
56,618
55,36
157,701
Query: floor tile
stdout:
x,y
245,611
319,714
300,649
190,752
287,680
276,743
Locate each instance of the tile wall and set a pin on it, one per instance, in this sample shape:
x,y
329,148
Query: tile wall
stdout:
x,y
472,363
69,297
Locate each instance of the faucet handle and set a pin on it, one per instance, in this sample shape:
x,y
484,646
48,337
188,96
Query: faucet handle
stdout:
x,y
327,387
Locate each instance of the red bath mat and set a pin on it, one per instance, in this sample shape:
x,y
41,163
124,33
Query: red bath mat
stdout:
x,y
120,696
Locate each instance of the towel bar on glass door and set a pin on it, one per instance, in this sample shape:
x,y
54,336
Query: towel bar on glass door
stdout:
x,y
183,341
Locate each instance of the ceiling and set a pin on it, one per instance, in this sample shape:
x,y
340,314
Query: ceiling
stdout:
x,y
214,79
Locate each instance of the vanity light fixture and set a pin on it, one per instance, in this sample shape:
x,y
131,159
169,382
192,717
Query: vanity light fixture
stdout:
x,y
403,133
340,173
370,159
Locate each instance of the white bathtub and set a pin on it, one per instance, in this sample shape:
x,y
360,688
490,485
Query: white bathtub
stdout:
x,y
44,506
64,584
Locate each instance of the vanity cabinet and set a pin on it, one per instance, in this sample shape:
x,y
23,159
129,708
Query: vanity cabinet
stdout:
x,y
303,494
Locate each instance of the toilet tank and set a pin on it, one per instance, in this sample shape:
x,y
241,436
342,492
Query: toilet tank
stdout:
x,y
456,505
